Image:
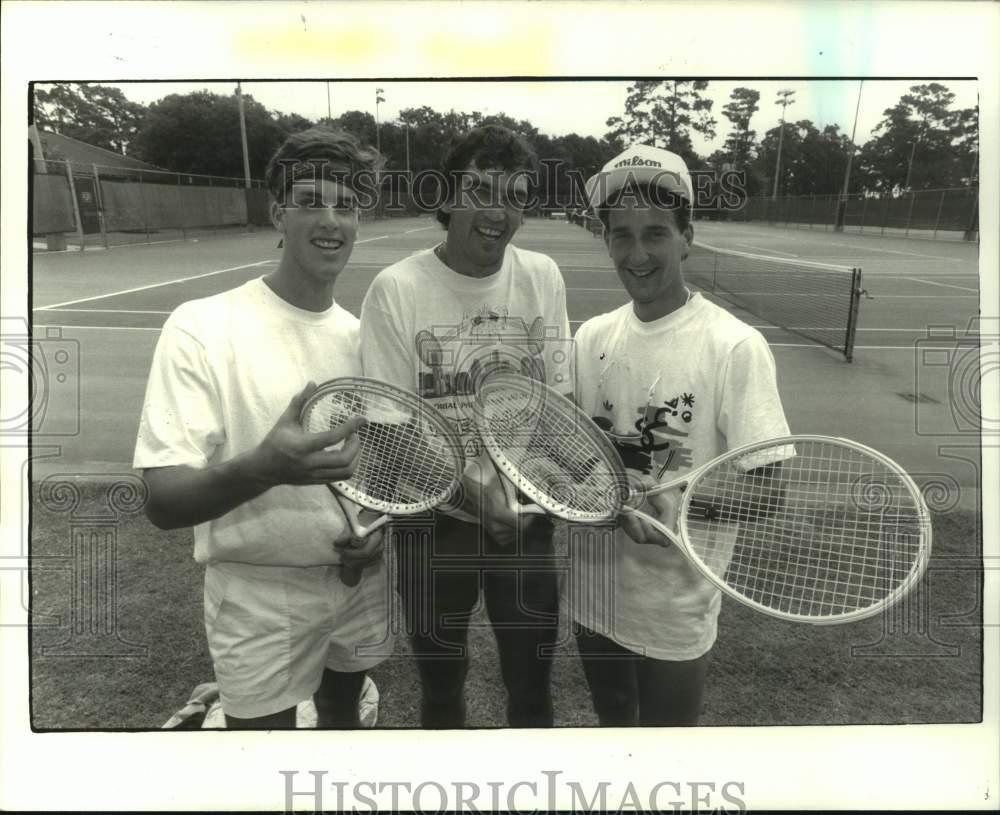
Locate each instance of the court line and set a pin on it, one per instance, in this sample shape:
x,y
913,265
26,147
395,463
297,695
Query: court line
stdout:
x,y
759,326
103,327
877,296
911,254
935,283
584,288
736,233
154,285
815,346
418,229
766,249
874,295
99,310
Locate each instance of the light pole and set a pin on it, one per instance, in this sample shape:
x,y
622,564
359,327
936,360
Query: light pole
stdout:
x,y
784,99
909,164
243,135
407,148
842,208
378,136
329,110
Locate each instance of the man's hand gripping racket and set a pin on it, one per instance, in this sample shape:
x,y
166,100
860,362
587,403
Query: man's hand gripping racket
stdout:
x,y
409,458
804,528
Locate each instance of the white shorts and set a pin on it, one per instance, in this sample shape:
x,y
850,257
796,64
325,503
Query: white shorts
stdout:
x,y
273,629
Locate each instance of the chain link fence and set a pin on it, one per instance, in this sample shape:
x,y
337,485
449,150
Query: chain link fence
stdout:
x,y
94,205
83,205
948,213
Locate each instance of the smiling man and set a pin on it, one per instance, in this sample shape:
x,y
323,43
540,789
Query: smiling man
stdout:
x,y
221,450
434,323
676,381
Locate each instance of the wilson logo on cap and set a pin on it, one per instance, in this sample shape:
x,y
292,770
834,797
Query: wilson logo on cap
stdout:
x,y
637,161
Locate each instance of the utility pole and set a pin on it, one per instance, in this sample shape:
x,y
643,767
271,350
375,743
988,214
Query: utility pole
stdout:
x,y
784,99
842,208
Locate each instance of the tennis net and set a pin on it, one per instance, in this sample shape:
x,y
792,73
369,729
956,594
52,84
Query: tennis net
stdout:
x,y
818,301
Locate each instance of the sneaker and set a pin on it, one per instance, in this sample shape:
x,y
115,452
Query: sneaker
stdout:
x,y
368,704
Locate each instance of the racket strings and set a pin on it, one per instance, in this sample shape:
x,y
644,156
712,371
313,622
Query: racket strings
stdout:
x,y
403,461
838,531
549,454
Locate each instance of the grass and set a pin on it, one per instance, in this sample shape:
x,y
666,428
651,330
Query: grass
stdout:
x,y
763,672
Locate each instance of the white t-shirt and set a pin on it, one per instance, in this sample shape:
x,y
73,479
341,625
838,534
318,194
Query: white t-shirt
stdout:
x,y
224,370
428,329
697,382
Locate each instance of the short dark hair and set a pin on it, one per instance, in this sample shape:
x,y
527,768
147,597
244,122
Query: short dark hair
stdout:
x,y
489,146
680,207
319,146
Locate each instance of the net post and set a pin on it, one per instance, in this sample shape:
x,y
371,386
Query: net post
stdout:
x,y
973,228
100,206
852,315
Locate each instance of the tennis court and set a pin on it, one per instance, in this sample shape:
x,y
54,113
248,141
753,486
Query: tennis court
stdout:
x,y
110,305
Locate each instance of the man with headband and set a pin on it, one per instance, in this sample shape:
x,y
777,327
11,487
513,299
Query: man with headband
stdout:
x,y
221,451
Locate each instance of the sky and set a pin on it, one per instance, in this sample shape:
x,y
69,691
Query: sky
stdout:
x,y
560,107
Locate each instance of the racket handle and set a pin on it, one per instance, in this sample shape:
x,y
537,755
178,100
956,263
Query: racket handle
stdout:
x,y
350,575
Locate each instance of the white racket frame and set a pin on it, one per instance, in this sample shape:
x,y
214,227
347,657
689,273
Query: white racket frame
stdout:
x,y
351,499
510,477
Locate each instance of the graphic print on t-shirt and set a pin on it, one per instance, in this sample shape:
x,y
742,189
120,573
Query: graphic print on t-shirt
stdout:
x,y
655,443
453,358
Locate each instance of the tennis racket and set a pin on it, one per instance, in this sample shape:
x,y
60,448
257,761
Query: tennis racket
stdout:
x,y
409,460
804,528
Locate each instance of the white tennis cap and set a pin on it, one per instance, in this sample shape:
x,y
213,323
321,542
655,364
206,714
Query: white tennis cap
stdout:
x,y
640,164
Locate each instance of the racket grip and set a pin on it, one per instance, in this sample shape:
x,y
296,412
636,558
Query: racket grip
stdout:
x,y
350,575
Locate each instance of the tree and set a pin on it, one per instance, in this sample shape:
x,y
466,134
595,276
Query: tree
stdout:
x,y
200,133
292,122
921,142
358,123
739,110
812,161
665,114
96,114
965,133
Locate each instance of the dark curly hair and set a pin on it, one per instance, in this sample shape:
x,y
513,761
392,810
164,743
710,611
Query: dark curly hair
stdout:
x,y
319,146
489,146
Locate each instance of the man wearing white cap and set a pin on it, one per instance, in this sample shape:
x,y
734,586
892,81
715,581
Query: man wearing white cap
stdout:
x,y
675,380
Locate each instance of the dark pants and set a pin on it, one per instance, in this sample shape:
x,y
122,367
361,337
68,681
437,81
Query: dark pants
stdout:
x,y
629,689
439,581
